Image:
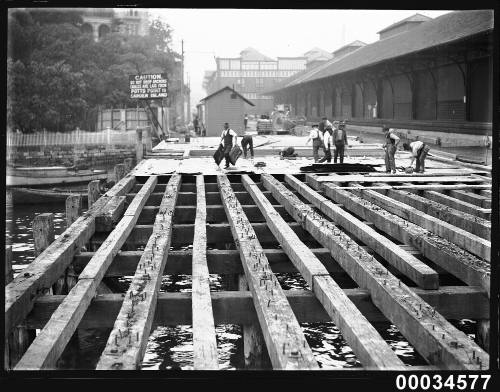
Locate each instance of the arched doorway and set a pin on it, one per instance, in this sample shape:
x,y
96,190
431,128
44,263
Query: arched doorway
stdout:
x,y
103,30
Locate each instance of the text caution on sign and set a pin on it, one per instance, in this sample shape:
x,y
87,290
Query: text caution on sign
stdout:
x,y
148,86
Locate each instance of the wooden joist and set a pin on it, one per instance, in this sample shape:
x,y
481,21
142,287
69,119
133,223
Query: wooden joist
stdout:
x,y
53,338
285,341
457,204
215,213
127,342
403,178
450,257
108,217
472,198
53,261
204,337
465,221
433,337
468,241
430,187
409,265
371,350
216,233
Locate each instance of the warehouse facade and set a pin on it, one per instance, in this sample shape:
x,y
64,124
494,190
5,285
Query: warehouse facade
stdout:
x,y
424,74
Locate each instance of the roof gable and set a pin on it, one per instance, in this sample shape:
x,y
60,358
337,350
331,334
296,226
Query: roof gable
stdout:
x,y
230,89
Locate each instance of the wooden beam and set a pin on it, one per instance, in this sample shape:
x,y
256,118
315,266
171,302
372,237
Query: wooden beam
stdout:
x,y
285,341
215,214
216,233
471,223
433,337
53,338
458,204
107,218
409,265
128,339
204,337
472,198
371,350
468,241
372,179
450,257
432,187
51,263
236,307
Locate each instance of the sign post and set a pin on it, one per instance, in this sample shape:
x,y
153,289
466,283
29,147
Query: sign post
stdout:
x,y
147,87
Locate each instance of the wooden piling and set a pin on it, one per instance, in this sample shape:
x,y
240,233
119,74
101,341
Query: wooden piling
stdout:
x,y
139,149
93,192
73,209
129,164
43,231
120,171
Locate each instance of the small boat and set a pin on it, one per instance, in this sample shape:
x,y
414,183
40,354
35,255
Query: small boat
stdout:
x,y
44,196
51,175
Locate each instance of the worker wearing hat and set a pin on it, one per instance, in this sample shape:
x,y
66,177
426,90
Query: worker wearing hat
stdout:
x,y
317,141
339,139
390,147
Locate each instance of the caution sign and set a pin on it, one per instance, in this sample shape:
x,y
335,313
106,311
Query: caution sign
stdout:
x,y
148,86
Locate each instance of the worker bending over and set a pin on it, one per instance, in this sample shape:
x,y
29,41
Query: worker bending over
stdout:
x,y
419,151
247,143
228,140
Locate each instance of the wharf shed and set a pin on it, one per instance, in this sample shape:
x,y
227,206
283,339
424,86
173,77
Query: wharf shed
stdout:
x,y
224,105
433,75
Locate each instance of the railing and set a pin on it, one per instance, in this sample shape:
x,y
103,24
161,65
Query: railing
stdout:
x,y
74,138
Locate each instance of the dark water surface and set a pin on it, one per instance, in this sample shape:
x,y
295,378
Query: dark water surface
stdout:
x,y
172,347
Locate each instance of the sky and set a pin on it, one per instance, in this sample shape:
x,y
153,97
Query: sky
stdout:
x,y
210,33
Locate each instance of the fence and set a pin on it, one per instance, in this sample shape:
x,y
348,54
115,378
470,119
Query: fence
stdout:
x,y
74,138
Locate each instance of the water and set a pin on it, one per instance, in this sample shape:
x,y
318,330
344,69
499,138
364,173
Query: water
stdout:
x,y
171,347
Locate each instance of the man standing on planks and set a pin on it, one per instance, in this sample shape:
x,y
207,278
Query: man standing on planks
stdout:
x,y
340,141
317,138
419,151
228,139
390,147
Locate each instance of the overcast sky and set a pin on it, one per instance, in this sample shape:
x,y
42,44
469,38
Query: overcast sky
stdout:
x,y
210,33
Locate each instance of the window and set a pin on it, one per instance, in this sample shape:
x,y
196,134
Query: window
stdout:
x,y
259,83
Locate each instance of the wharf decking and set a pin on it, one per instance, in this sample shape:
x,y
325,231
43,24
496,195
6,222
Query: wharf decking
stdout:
x,y
416,249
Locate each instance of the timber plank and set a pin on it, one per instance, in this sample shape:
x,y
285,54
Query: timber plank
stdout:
x,y
53,261
204,337
465,221
468,241
450,257
409,265
127,342
236,307
53,338
472,198
372,351
108,217
285,341
409,178
433,337
432,187
458,204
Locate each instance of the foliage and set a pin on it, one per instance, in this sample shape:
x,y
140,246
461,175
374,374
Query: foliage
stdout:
x,y
58,76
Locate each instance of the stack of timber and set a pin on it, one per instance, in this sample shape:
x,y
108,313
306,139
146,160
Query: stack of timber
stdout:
x,y
418,249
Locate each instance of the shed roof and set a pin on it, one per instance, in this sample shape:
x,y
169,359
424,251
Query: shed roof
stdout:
x,y
444,29
230,89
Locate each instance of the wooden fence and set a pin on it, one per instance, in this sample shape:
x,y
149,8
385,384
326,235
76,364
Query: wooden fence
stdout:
x,y
74,138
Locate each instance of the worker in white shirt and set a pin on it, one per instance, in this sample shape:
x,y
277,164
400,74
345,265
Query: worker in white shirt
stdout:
x,y
228,140
390,147
327,143
317,141
419,151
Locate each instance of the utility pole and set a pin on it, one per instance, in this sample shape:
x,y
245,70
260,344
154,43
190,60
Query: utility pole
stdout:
x,y
182,82
188,97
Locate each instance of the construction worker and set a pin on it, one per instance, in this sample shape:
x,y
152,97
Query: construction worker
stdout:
x,y
247,143
419,151
322,128
228,139
339,139
390,147
327,142
317,141
245,122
